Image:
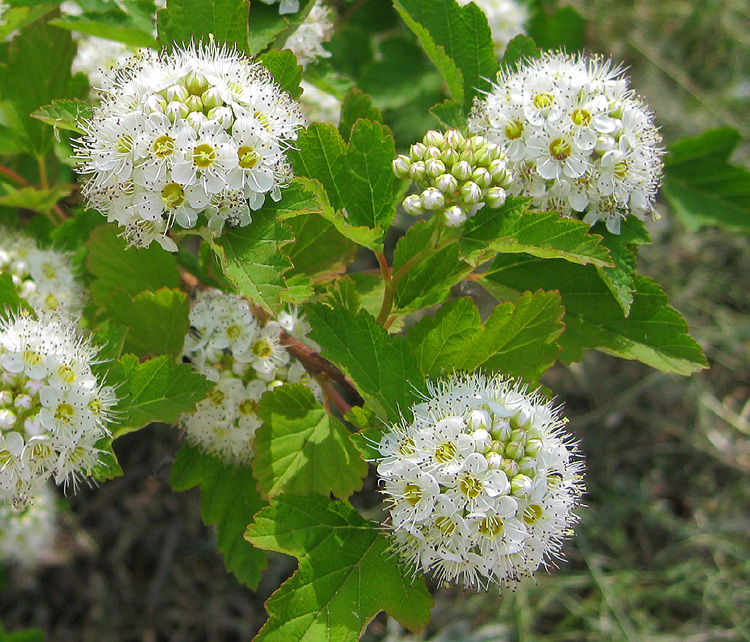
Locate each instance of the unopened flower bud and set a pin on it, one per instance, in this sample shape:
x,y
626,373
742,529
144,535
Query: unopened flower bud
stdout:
x,y
527,466
477,142
521,485
509,467
22,402
454,138
196,83
197,119
433,199
498,170
432,152
449,157
495,461
514,450
221,115
495,197
471,193
478,419
401,166
461,170
447,184
413,205
155,104
211,98
417,171
605,143
6,398
194,103
434,167
500,430
416,152
176,110
518,435
7,419
175,92
481,177
434,138
454,216
482,440
484,156
533,446
468,156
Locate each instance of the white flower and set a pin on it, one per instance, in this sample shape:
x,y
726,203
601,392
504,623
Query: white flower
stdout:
x,y
319,106
507,20
57,408
97,57
44,277
576,138
306,43
27,537
245,358
179,136
482,483
285,6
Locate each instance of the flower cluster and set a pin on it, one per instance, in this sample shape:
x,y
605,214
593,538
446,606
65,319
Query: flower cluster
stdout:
x,y
245,357
507,19
576,137
200,131
458,175
482,483
53,409
306,43
27,537
43,277
97,58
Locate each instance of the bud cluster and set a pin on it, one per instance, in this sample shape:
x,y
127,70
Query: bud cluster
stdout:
x,y
245,357
43,277
199,132
482,483
576,138
27,537
458,175
53,409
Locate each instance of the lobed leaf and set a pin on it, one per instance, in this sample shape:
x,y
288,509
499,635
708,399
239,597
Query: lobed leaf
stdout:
x,y
229,499
65,114
184,21
284,68
346,574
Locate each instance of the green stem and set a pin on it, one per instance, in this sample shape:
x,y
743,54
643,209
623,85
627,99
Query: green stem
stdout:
x,y
387,305
43,182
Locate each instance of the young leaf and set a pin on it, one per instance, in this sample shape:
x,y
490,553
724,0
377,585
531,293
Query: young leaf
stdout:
x,y
65,114
133,269
356,105
702,186
36,200
157,322
517,339
654,332
455,34
512,228
156,390
301,448
382,367
449,114
186,20
346,575
519,49
251,257
284,68
229,500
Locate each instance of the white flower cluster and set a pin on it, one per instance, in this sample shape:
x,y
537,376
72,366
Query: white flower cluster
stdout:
x,y
482,483
43,277
576,137
458,175
202,130
507,19
285,6
27,537
245,357
306,43
53,409
97,58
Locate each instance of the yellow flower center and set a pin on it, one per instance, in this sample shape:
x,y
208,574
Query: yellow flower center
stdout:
x,y
234,332
248,157
581,117
532,513
470,486
544,100
412,494
514,130
560,149
66,374
248,407
216,397
173,195
163,146
262,349
124,144
204,156
445,452
64,413
491,526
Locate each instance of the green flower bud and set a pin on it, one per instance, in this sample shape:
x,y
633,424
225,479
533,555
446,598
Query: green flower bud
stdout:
x,y
481,177
433,199
447,184
401,166
211,98
176,92
471,193
432,152
461,170
510,468
501,431
533,446
521,485
413,205
434,138
417,171
196,83
514,450
495,197
454,138
434,167
527,466
449,157
176,110
416,151
498,171
518,435
454,216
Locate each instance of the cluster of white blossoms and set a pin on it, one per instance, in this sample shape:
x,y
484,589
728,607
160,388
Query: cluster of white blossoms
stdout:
x,y
306,43
197,132
43,277
27,537
53,409
245,357
97,58
576,138
458,175
482,483
507,19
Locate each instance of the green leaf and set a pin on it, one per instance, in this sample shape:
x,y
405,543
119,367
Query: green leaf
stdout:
x,y
356,105
157,322
344,293
229,499
11,302
284,68
358,178
65,114
127,35
221,20
27,635
346,575
319,250
366,441
381,366
301,448
16,18
156,390
133,269
563,29
458,41
107,466
449,114
517,339
653,333
252,259
40,55
512,229
433,273
623,248
36,200
73,232
519,49
702,186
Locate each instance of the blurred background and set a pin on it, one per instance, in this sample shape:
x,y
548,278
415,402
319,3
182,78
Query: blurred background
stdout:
x,y
662,552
